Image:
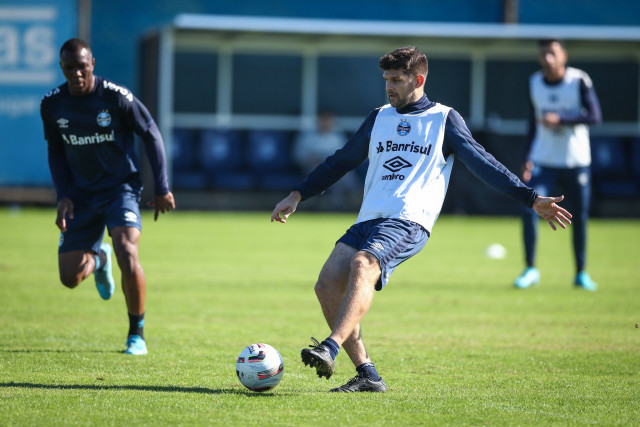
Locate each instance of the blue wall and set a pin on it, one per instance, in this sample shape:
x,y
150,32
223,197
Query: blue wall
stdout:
x,y
32,33
118,25
580,12
115,34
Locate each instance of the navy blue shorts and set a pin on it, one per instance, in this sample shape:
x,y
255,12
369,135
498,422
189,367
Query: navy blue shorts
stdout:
x,y
86,230
391,241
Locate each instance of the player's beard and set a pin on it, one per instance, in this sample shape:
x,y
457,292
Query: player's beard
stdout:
x,y
396,100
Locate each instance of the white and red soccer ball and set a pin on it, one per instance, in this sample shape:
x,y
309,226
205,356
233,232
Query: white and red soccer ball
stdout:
x,y
259,367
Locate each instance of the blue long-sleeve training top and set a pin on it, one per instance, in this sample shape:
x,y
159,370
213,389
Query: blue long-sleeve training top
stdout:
x,y
91,141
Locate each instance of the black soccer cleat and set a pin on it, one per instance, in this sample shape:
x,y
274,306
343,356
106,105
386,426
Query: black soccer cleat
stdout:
x,y
318,356
360,383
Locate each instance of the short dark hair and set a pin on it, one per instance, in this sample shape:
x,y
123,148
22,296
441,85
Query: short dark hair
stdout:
x,y
547,42
409,59
74,45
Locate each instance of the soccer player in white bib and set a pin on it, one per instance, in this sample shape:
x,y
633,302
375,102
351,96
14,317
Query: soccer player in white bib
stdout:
x,y
563,104
411,144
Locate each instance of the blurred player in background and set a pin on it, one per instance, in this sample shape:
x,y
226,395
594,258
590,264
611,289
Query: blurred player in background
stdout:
x,y
563,104
411,144
313,146
89,124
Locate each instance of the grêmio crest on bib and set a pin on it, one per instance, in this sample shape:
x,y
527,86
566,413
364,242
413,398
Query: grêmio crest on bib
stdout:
x,y
404,127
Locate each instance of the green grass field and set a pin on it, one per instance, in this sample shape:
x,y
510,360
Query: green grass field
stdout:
x,y
454,341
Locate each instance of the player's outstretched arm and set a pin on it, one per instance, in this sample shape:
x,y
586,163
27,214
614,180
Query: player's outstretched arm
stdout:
x,y
286,206
547,208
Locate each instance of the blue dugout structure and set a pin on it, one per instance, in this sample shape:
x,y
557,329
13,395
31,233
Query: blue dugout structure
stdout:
x,y
272,75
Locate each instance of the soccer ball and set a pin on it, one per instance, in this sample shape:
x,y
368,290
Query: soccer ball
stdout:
x,y
259,367
495,251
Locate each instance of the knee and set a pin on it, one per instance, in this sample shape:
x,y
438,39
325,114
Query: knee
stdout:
x,y
365,269
127,257
331,283
364,262
74,267
70,280
325,284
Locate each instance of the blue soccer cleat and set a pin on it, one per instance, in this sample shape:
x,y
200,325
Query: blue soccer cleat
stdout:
x,y
584,281
529,277
136,345
104,275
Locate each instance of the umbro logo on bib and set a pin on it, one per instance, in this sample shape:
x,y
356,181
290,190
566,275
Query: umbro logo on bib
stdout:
x,y
396,164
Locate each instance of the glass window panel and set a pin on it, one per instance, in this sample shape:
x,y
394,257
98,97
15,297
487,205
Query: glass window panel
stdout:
x,y
195,82
449,83
267,84
507,88
616,85
350,86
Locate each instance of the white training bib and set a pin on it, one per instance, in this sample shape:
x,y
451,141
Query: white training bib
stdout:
x,y
408,175
565,146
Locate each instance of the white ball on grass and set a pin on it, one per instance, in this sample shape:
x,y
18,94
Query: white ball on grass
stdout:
x,y
496,251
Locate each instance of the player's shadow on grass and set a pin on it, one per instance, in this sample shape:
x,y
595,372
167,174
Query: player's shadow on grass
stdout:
x,y
61,350
168,389
202,390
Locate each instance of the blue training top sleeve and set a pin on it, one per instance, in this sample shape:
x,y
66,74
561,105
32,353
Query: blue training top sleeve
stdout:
x,y
60,173
144,125
531,132
349,157
458,141
590,112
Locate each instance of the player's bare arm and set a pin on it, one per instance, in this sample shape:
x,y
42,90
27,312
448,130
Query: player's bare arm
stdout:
x,y
286,206
548,209
65,210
